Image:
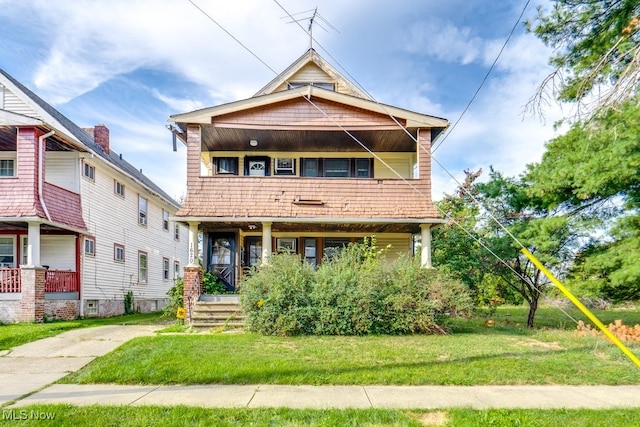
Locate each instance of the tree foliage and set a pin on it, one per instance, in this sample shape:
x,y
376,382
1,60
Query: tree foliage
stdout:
x,y
596,49
508,219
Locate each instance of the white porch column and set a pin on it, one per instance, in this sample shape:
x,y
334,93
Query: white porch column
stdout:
x,y
266,242
33,245
194,254
426,245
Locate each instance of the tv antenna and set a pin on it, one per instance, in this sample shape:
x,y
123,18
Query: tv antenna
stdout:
x,y
314,18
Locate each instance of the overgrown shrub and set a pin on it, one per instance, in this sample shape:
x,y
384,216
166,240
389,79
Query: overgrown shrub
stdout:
x,y
355,293
276,299
176,298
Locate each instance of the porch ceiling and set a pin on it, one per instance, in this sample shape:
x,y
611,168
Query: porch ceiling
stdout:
x,y
8,141
237,139
277,227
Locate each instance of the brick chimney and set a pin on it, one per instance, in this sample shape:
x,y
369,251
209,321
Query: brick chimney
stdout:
x,y
101,137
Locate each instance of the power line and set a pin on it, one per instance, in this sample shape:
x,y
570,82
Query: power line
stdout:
x,y
484,80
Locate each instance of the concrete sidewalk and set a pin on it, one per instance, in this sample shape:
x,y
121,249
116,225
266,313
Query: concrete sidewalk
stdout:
x,y
322,397
33,366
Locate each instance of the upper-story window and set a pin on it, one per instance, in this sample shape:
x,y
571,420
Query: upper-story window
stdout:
x,y
165,220
89,171
225,165
142,210
285,166
176,232
90,246
118,188
337,168
7,166
327,86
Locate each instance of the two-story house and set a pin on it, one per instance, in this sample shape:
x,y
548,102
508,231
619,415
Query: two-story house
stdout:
x,y
80,227
308,164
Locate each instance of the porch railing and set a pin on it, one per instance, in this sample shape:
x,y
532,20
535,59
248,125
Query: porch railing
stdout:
x,y
10,280
55,281
61,281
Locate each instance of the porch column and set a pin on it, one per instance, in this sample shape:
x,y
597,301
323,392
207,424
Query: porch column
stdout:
x,y
266,242
194,254
426,245
33,245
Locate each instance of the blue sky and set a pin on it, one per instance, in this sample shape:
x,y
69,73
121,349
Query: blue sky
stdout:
x,y
130,64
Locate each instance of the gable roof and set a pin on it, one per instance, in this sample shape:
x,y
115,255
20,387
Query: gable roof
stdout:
x,y
50,116
311,57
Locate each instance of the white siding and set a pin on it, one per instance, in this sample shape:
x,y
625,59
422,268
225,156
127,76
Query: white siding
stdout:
x,y
62,169
58,252
399,162
113,219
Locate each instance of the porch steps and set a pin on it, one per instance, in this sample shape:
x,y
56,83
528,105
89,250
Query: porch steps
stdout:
x,y
217,315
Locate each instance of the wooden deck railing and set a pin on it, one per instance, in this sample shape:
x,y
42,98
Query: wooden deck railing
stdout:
x,y
10,280
55,281
61,281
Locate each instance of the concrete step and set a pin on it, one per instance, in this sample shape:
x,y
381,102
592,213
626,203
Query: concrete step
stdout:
x,y
223,315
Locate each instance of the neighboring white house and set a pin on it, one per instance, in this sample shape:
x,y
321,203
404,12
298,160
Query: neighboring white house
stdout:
x,y
80,227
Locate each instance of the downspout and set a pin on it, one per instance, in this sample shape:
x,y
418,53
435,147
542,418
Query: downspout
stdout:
x,y
40,177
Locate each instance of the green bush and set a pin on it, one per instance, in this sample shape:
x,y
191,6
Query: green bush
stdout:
x,y
355,293
276,299
176,298
212,285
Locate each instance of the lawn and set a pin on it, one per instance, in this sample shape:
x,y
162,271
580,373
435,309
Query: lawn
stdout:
x,y
15,334
504,353
123,416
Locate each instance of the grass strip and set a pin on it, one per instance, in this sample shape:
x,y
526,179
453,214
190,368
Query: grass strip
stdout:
x,y
124,416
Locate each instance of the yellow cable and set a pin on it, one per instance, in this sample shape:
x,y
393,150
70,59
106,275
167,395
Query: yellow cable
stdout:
x,y
582,308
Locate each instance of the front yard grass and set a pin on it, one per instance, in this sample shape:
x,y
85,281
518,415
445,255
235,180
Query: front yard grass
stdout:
x,y
14,334
124,416
504,353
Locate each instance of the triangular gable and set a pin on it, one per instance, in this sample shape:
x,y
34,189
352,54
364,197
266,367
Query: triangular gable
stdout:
x,y
312,68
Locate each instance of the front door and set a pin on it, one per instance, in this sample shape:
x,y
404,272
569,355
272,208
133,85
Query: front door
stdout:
x,y
222,256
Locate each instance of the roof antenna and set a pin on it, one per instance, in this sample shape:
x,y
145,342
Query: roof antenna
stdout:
x,y
314,18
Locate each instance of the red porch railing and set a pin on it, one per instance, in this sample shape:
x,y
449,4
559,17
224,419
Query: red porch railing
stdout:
x,y
10,280
55,281
61,281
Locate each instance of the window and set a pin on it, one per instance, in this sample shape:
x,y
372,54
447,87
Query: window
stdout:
x,y
176,269
338,168
90,246
165,268
333,246
89,171
142,267
142,210
310,251
118,252
327,86
226,165
286,244
118,188
165,220
176,232
25,250
285,167
310,167
7,167
7,254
